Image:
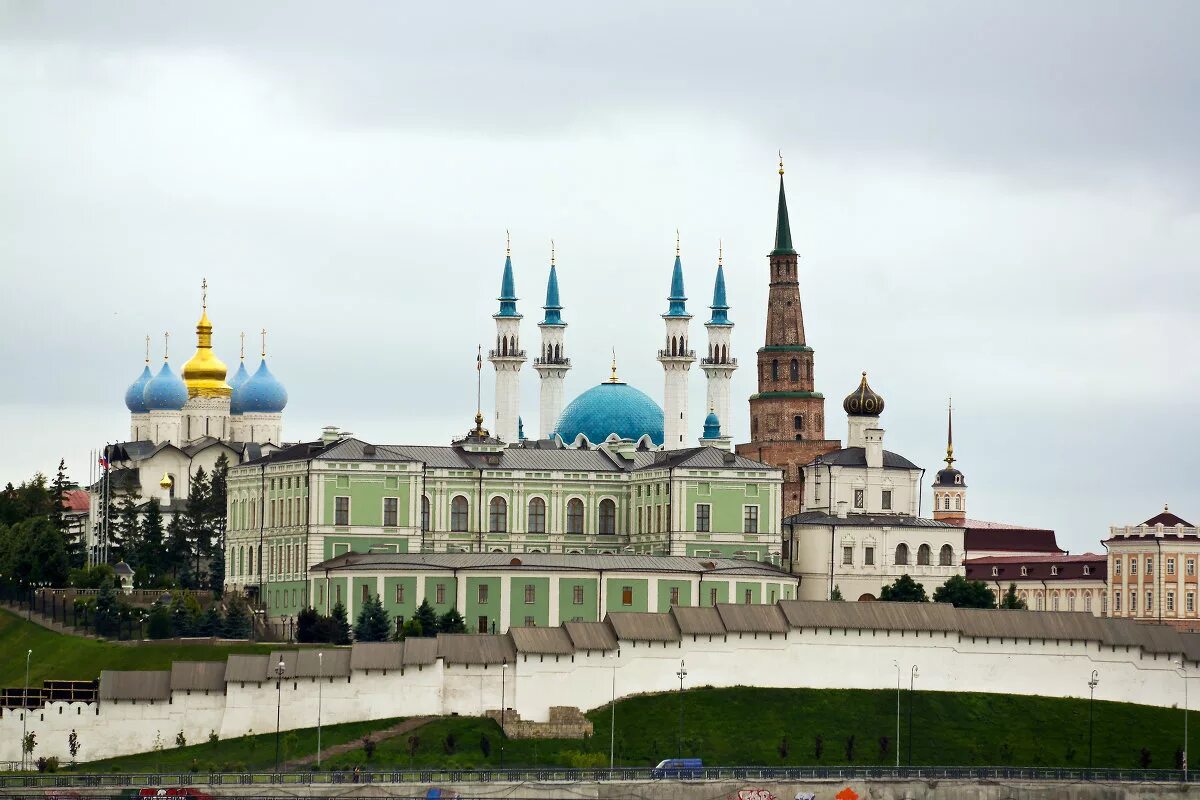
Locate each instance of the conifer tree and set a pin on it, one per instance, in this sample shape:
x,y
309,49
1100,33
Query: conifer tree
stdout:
x,y
372,624
237,619
199,518
341,625
452,622
148,549
212,623
58,492
427,618
177,554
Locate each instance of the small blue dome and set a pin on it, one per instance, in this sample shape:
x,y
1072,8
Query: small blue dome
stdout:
x,y
133,395
260,394
241,376
609,408
166,391
712,426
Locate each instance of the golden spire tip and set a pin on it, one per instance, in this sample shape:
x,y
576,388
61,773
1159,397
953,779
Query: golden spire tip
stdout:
x,y
264,342
720,252
166,344
780,162
677,241
147,349
507,243
613,377
552,252
204,293
242,354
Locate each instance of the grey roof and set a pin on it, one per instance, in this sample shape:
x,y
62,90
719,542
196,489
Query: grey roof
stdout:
x,y
135,685
420,651
752,618
542,641
1020,624
475,648
591,635
548,561
289,659
857,457
871,520
542,455
246,668
698,620
377,655
318,662
206,676
643,626
870,616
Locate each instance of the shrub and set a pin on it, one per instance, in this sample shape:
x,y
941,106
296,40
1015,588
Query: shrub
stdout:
x,y
450,745
47,764
485,745
783,749
369,745
850,747
818,746
884,742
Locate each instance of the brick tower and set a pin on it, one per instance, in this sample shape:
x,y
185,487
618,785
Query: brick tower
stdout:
x,y
787,415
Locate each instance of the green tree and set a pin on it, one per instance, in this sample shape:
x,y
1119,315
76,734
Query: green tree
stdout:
x,y
177,558
148,549
72,542
452,622
962,593
904,590
237,619
1011,600
107,617
198,519
372,624
341,625
306,625
159,626
49,552
123,527
212,623
185,614
836,594
427,618
410,629
218,522
90,577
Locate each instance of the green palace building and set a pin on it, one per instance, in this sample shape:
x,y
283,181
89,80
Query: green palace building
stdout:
x,y
328,520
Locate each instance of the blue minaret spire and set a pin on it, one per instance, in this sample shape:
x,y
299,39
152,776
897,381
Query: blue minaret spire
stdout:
x,y
720,306
553,305
508,286
678,298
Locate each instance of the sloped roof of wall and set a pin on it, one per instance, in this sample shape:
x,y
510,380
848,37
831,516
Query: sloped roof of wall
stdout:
x,y
246,669
135,685
476,648
752,618
643,626
591,635
542,641
869,616
698,621
331,663
377,655
420,652
198,676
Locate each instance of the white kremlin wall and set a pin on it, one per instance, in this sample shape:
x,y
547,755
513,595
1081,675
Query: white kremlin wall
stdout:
x,y
822,658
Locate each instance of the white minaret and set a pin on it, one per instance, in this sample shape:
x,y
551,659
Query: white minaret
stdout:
x,y
719,366
676,359
552,364
508,356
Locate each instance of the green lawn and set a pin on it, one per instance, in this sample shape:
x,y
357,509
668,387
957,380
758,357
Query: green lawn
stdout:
x,y
57,655
781,726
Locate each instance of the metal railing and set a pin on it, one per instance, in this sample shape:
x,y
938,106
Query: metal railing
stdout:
x,y
555,775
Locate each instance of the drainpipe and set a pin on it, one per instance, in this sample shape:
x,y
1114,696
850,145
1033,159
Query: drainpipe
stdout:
x,y
670,509
421,508
600,598
832,550
479,511
1159,586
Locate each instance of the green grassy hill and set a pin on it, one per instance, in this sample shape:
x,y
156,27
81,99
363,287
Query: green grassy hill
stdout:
x,y
772,727
57,655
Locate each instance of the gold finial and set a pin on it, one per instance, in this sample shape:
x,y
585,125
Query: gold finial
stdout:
x,y
507,243
613,377
166,344
264,342
677,242
479,389
720,252
1165,507
950,433
242,353
204,293
780,162
166,481
147,349
552,252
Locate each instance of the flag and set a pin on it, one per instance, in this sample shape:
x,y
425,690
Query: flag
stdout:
x,y
103,461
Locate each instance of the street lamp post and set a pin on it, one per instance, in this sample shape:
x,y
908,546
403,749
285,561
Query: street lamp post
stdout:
x,y
25,710
911,681
896,664
320,680
503,676
612,728
1091,699
682,673
278,707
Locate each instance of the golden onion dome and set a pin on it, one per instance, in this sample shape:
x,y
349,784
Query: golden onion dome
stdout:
x,y
204,373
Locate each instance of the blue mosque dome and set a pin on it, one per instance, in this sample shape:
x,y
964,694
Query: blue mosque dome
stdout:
x,y
712,426
166,391
133,395
261,393
241,376
612,407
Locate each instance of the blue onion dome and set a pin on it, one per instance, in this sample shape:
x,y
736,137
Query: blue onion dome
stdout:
x,y
134,400
712,426
613,407
241,376
863,401
260,394
166,391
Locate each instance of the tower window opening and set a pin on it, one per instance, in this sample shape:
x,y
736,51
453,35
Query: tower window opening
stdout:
x,y
774,370
798,422
794,372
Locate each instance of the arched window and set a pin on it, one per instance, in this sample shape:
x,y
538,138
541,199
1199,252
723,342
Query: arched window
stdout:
x,y
902,555
794,373
946,503
249,560
724,354
574,515
537,515
504,346
498,515
424,512
775,370
798,422
458,514
946,556
957,503
608,516
923,553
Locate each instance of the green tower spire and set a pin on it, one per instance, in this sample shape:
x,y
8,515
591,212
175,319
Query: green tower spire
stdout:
x,y
783,228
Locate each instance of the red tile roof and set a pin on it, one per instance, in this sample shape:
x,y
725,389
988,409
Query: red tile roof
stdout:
x,y
75,500
1037,568
1168,519
995,536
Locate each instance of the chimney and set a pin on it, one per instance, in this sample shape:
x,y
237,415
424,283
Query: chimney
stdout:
x,y
842,509
873,444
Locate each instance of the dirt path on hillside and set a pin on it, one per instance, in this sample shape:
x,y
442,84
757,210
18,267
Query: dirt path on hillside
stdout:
x,y
336,750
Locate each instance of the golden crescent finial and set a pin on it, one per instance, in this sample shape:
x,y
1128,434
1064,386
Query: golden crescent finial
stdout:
x,y
677,241
166,345
780,162
147,349
264,342
507,243
720,252
552,252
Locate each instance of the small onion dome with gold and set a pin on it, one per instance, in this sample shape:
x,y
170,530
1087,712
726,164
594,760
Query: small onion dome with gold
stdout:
x,y
204,373
863,401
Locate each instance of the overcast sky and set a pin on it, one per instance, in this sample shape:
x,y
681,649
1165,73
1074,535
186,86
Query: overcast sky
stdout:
x,y
997,202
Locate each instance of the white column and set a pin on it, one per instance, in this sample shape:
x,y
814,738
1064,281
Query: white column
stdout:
x,y
718,370
676,358
551,366
507,358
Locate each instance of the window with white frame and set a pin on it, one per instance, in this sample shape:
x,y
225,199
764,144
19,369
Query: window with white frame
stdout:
x,y
860,498
439,594
391,511
703,517
869,556
530,594
498,515
1191,602
1117,566
1170,566
577,595
608,517
458,514
1116,601
847,555
537,515
1171,602
481,593
750,519
574,515
885,500
341,511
